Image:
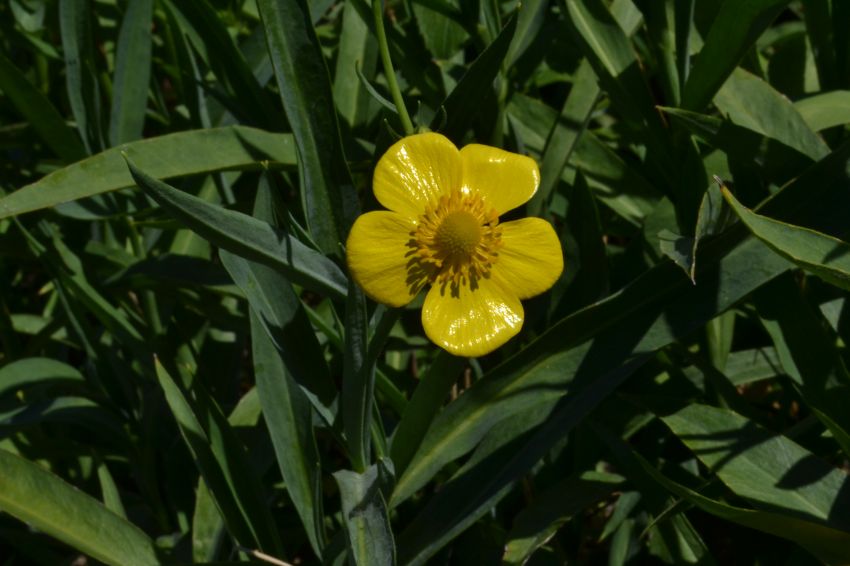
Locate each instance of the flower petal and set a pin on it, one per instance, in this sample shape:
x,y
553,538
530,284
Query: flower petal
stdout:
x,y
378,257
530,259
506,180
415,171
469,322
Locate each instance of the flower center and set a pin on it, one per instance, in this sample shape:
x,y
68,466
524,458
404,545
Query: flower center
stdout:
x,y
458,234
455,243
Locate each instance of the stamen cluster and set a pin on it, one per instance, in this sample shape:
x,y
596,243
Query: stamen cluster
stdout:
x,y
457,241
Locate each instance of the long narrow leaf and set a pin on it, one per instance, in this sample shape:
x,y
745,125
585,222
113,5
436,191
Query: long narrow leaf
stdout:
x,y
248,237
33,494
164,157
735,29
302,77
132,73
222,461
289,418
822,254
39,112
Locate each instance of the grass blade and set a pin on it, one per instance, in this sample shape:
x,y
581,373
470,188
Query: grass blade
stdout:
x,y
132,73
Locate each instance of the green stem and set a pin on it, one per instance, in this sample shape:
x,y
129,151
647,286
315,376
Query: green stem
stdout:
x,y
389,71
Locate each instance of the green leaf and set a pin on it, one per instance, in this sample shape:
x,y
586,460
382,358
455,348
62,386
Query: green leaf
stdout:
x,y
289,418
430,394
75,19
364,511
825,110
565,133
330,202
132,73
45,501
819,22
283,319
748,366
172,155
660,306
775,160
357,53
608,49
39,112
464,101
211,38
222,460
37,372
750,102
587,279
830,545
767,469
508,451
248,237
821,254
66,268
531,15
615,183
358,379
548,512
441,30
207,523
806,349
733,32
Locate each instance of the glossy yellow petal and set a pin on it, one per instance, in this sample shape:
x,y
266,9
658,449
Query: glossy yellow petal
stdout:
x,y
378,257
415,171
471,323
506,180
530,259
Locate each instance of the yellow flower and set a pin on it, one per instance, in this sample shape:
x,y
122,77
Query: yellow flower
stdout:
x,y
442,228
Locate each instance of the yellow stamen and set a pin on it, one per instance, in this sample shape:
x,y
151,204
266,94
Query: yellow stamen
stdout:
x,y
455,243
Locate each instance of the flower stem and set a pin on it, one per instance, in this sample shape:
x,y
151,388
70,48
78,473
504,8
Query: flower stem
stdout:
x,y
389,71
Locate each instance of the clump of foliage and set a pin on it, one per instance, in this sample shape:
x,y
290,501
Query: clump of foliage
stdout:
x,y
189,375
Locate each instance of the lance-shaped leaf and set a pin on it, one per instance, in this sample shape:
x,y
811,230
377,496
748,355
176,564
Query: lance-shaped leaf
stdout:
x,y
734,31
551,509
330,202
39,112
822,254
825,110
289,417
831,545
464,101
172,155
247,237
364,511
222,461
754,104
45,501
132,73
